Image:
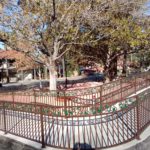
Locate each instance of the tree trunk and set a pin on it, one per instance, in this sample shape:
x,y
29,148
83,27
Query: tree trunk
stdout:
x,y
110,70
112,73
45,72
124,67
40,79
1,75
34,74
7,72
53,76
63,67
7,76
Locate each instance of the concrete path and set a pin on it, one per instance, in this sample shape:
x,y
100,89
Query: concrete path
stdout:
x,y
36,83
16,142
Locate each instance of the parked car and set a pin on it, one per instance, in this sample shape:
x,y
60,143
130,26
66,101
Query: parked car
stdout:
x,y
99,77
87,72
147,69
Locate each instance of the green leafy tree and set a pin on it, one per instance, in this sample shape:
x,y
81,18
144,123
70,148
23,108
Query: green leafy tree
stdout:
x,y
120,34
44,30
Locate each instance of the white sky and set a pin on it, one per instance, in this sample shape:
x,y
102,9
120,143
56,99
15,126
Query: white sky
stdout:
x,y
1,46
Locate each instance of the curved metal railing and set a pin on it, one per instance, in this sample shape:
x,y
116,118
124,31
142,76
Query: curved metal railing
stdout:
x,y
62,120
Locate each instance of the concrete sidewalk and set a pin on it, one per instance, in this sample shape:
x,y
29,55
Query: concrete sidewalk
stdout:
x,y
7,142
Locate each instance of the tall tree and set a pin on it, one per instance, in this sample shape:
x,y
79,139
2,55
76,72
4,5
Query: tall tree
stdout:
x,y
122,34
48,29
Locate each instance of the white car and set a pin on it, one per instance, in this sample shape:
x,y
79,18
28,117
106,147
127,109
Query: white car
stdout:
x,y
147,69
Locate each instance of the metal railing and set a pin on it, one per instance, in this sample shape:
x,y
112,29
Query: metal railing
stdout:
x,y
106,93
99,117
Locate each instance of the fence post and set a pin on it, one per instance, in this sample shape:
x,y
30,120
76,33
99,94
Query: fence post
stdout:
x,y
65,102
101,88
138,119
135,84
13,99
121,88
147,80
4,115
42,127
34,96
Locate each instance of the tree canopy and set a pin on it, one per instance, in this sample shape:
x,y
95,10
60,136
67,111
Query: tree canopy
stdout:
x,y
46,29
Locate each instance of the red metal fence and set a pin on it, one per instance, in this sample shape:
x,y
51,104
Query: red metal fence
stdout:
x,y
108,93
99,117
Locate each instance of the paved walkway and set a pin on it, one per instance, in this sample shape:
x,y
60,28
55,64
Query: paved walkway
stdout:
x,y
142,144
36,83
